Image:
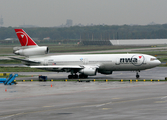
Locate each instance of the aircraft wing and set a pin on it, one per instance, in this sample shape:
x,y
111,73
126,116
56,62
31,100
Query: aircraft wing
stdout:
x,y
59,66
63,66
24,60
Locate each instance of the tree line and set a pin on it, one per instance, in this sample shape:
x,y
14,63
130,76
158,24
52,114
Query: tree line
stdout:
x,y
99,32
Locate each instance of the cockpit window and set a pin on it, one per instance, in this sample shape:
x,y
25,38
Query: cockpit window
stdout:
x,y
152,59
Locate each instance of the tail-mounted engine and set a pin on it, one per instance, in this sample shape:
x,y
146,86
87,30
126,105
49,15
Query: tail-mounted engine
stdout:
x,y
31,51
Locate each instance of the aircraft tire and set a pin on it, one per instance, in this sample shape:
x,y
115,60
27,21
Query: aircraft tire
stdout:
x,y
137,76
83,76
70,77
75,76
80,76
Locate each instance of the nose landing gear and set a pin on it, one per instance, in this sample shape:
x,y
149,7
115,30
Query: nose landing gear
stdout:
x,y
137,74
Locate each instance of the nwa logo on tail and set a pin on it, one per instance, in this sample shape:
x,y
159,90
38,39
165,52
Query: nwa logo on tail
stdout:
x,y
135,60
24,38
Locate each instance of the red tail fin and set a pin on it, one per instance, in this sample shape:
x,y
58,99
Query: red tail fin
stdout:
x,y
24,38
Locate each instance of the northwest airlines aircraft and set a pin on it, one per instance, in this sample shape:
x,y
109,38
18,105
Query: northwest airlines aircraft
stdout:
x,y
85,65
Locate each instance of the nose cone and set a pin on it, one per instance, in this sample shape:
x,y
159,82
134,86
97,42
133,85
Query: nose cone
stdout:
x,y
158,62
152,61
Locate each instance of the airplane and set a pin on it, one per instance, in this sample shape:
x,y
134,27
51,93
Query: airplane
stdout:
x,y
79,66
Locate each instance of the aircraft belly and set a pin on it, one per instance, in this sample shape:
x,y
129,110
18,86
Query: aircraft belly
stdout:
x,y
129,67
106,67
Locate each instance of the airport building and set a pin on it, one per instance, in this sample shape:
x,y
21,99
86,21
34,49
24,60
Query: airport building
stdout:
x,y
68,23
136,42
1,21
139,42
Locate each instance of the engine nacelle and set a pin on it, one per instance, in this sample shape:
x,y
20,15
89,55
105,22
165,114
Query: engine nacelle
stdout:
x,y
91,71
32,51
105,72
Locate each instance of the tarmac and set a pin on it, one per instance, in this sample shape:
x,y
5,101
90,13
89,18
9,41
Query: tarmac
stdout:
x,y
84,101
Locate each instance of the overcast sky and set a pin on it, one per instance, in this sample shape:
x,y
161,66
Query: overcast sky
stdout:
x,y
49,13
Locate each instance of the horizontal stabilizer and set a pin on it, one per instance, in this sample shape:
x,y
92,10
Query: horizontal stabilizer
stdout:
x,y
24,60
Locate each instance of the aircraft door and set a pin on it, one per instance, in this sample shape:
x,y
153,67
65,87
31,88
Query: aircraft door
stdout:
x,y
85,61
117,61
144,61
45,62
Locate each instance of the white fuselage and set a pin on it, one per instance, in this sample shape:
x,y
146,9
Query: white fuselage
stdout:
x,y
86,65
105,62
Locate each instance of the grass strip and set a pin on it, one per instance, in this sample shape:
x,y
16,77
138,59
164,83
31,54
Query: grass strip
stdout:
x,y
79,80
20,69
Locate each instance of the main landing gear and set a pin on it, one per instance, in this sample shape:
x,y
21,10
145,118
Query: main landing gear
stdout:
x,y
137,74
83,76
73,76
76,76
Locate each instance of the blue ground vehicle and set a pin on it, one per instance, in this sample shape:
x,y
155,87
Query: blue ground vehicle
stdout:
x,y
10,80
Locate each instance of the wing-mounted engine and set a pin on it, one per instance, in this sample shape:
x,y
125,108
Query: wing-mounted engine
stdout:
x,y
31,51
88,70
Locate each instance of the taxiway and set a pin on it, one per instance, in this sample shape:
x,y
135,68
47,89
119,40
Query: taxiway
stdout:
x,y
84,101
